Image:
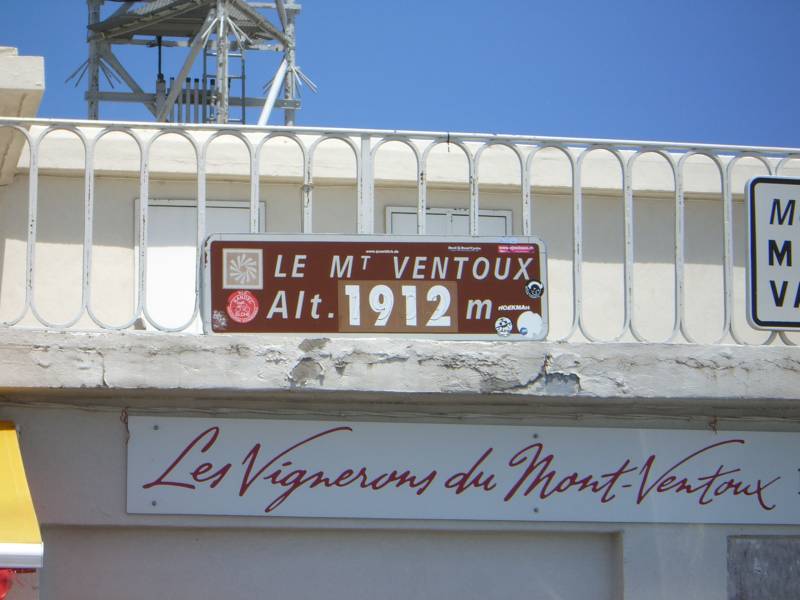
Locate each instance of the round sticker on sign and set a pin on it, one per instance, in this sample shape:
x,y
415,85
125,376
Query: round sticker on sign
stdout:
x,y
503,326
242,306
534,289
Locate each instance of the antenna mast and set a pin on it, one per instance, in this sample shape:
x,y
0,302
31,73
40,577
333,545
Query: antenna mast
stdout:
x,y
222,30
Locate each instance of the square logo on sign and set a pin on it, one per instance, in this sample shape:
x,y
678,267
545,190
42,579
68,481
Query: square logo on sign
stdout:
x,y
242,269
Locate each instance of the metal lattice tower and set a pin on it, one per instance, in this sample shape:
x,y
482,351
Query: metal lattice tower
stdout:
x,y
222,30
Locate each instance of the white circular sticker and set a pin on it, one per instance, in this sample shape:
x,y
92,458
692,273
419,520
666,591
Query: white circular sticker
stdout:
x,y
530,325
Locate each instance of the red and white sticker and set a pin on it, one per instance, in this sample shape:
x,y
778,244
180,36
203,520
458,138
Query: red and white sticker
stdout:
x,y
242,306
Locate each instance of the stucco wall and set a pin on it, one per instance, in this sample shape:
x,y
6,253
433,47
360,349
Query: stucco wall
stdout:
x,y
60,234
311,563
75,460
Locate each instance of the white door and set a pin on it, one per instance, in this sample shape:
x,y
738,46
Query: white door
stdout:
x,y
171,255
402,220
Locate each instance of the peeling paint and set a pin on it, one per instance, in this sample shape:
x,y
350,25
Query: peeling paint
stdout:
x,y
305,372
49,360
368,359
312,344
562,384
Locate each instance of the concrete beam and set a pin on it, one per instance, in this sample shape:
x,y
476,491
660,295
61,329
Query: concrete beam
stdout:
x,y
623,378
21,91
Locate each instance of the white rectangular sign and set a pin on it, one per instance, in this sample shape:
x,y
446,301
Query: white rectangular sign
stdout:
x,y
773,229
432,471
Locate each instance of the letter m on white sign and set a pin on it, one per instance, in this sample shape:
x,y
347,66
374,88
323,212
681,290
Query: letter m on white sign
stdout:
x,y
773,274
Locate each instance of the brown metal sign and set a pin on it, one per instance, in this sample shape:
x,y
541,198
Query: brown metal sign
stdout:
x,y
431,286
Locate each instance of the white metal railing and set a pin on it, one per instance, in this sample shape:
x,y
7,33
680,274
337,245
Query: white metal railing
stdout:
x,y
364,145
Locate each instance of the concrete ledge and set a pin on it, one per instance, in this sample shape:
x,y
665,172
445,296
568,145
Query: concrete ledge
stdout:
x,y
21,91
747,379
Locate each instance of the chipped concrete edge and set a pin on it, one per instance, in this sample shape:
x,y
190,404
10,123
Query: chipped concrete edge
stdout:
x,y
52,361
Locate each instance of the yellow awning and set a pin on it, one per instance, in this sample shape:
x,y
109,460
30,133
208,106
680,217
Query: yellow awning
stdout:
x,y
20,538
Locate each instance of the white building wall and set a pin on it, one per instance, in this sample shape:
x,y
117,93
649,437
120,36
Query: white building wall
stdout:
x,y
75,457
311,563
69,392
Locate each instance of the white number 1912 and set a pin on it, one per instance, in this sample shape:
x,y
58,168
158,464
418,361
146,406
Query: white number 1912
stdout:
x,y
381,302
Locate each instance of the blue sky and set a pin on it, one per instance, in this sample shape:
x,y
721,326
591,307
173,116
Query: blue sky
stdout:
x,y
718,71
